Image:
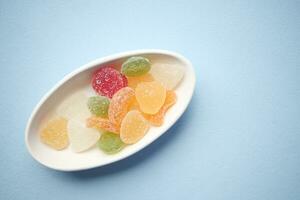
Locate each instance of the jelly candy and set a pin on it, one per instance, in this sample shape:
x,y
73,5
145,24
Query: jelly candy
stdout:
x,y
136,66
134,81
133,127
134,105
120,104
158,118
74,106
168,74
103,124
107,81
98,105
110,143
81,138
55,134
150,96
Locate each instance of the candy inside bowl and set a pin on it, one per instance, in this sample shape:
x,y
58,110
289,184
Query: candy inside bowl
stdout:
x,y
112,107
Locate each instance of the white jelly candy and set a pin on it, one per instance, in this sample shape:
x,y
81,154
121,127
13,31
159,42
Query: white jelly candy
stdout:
x,y
74,107
168,74
81,138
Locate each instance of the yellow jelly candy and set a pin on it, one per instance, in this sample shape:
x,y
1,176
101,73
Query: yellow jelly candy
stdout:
x,y
158,118
135,106
135,80
101,123
133,127
150,96
120,104
55,134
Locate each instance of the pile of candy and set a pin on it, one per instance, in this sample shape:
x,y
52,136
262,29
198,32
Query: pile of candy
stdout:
x,y
125,105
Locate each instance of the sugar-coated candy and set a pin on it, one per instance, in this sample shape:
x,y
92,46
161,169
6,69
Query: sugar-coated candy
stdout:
x,y
102,124
81,138
168,74
98,105
121,107
134,105
55,134
150,96
134,81
107,81
120,104
158,118
74,106
110,143
136,66
133,127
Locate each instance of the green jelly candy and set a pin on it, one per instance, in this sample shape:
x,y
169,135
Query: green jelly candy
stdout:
x,y
136,66
110,143
98,105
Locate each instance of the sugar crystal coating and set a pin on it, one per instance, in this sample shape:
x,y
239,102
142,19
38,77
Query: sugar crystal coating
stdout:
x,y
158,118
98,105
120,104
126,107
107,81
168,74
150,96
136,66
110,143
133,127
55,134
102,124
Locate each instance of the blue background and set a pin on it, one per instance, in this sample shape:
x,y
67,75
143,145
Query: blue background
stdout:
x,y
239,138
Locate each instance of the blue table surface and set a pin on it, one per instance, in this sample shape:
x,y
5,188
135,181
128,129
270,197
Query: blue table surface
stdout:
x,y
238,139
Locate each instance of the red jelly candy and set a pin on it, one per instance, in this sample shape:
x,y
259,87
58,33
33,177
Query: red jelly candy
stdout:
x,y
107,81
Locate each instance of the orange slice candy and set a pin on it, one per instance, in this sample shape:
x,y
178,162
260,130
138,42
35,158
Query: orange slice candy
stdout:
x,y
158,118
133,127
120,104
103,124
150,96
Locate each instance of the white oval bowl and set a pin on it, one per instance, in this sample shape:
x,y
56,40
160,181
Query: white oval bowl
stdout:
x,y
67,160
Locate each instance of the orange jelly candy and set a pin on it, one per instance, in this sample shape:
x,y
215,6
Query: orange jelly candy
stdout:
x,y
133,127
55,134
101,123
150,96
120,105
158,118
133,81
